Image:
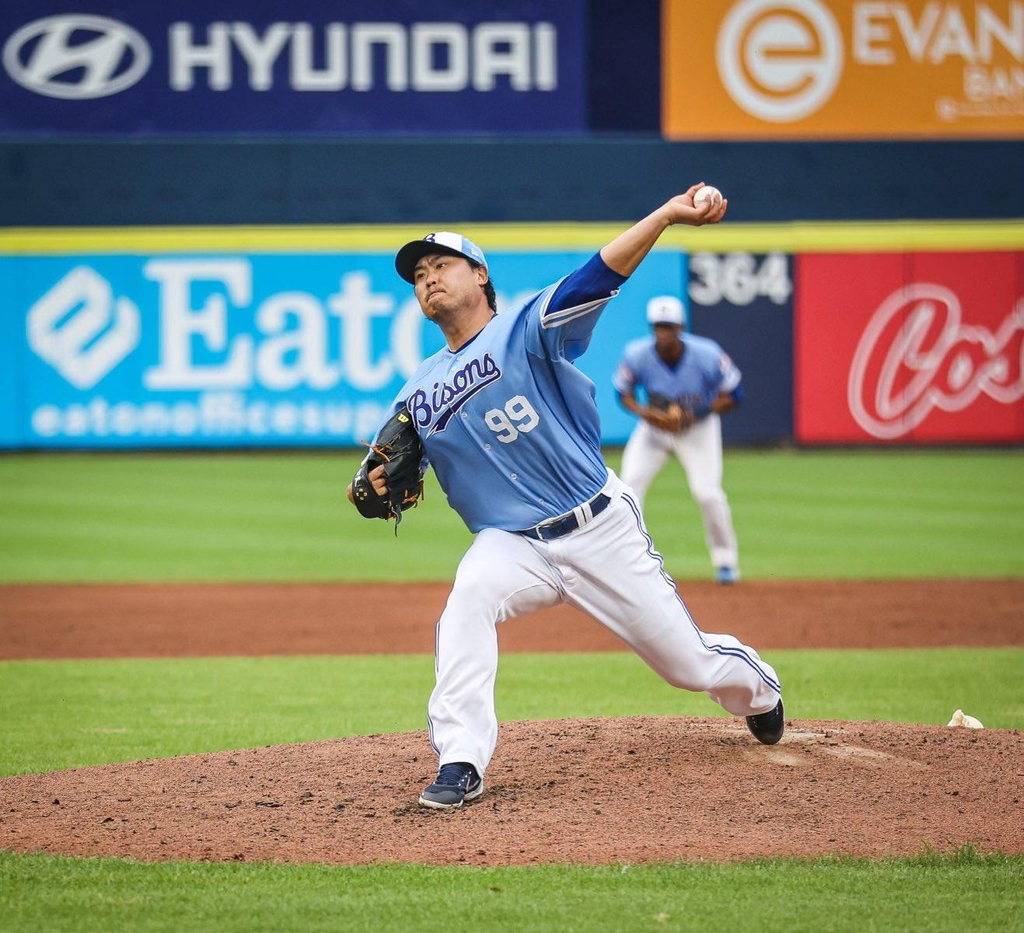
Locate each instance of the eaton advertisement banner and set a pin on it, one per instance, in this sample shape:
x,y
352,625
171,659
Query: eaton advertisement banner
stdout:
x,y
843,69
309,67
910,348
127,351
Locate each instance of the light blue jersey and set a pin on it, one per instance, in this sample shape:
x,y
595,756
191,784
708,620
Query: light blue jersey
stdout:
x,y
508,423
701,375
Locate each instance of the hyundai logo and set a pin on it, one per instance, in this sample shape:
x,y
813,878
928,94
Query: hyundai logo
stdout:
x,y
76,57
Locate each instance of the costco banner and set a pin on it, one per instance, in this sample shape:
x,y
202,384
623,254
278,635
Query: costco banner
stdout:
x,y
911,348
126,351
309,66
774,69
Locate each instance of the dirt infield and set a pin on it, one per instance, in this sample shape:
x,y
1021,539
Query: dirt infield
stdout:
x,y
187,620
584,791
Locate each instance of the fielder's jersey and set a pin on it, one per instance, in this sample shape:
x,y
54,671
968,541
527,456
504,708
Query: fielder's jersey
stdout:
x,y
704,371
508,423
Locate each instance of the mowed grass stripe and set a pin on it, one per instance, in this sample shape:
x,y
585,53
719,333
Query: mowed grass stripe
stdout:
x,y
942,894
283,516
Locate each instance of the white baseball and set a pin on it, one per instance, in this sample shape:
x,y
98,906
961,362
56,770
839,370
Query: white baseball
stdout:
x,y
707,193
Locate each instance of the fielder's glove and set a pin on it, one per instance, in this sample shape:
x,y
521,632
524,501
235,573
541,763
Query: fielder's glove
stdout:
x,y
399,448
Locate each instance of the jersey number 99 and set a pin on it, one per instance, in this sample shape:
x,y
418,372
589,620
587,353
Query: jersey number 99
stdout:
x,y
518,418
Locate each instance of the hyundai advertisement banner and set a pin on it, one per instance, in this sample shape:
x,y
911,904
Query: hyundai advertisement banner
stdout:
x,y
128,351
308,67
910,348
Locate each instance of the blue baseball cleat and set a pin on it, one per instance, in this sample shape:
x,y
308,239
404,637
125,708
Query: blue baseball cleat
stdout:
x,y
727,575
454,785
768,727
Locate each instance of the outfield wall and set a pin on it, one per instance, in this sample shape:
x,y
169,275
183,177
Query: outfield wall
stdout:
x,y
443,112
440,182
298,337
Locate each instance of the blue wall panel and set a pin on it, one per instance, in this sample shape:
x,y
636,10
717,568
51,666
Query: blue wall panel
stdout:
x,y
745,303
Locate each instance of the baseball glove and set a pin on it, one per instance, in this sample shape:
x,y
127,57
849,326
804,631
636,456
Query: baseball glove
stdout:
x,y
661,402
399,448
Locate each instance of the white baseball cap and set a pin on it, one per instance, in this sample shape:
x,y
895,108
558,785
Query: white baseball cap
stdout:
x,y
442,242
666,309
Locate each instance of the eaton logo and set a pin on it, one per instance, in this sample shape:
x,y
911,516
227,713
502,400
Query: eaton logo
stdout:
x,y
81,329
76,57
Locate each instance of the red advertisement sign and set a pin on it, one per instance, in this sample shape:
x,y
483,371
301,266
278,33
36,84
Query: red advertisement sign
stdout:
x,y
909,348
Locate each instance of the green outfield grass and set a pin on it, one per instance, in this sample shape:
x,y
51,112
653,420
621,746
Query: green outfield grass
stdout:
x,y
190,517
280,516
856,514
963,892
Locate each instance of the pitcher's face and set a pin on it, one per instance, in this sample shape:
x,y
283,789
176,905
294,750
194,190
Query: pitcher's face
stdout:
x,y
445,285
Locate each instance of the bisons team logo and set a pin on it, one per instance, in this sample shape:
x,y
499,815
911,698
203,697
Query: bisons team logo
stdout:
x,y
445,399
917,355
780,60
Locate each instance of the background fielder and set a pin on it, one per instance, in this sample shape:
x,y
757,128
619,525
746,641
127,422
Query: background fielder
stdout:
x,y
511,428
687,382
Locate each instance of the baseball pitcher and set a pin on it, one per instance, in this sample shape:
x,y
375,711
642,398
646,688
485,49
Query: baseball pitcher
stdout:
x,y
510,426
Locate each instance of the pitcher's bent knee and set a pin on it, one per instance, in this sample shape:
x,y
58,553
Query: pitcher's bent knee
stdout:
x,y
473,593
709,498
692,683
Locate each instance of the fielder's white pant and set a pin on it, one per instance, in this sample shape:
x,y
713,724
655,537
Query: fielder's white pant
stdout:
x,y
610,570
699,450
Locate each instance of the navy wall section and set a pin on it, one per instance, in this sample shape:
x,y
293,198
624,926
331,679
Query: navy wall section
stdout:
x,y
624,65
606,178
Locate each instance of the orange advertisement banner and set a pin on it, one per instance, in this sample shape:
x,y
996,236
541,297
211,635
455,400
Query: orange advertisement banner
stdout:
x,y
831,69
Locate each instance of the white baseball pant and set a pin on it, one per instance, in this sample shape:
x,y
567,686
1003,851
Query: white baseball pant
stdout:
x,y
609,569
699,450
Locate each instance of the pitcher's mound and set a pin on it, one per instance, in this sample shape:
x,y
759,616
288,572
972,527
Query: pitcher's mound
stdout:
x,y
587,791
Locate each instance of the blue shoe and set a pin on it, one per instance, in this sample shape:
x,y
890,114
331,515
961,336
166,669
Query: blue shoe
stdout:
x,y
726,575
768,727
455,784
